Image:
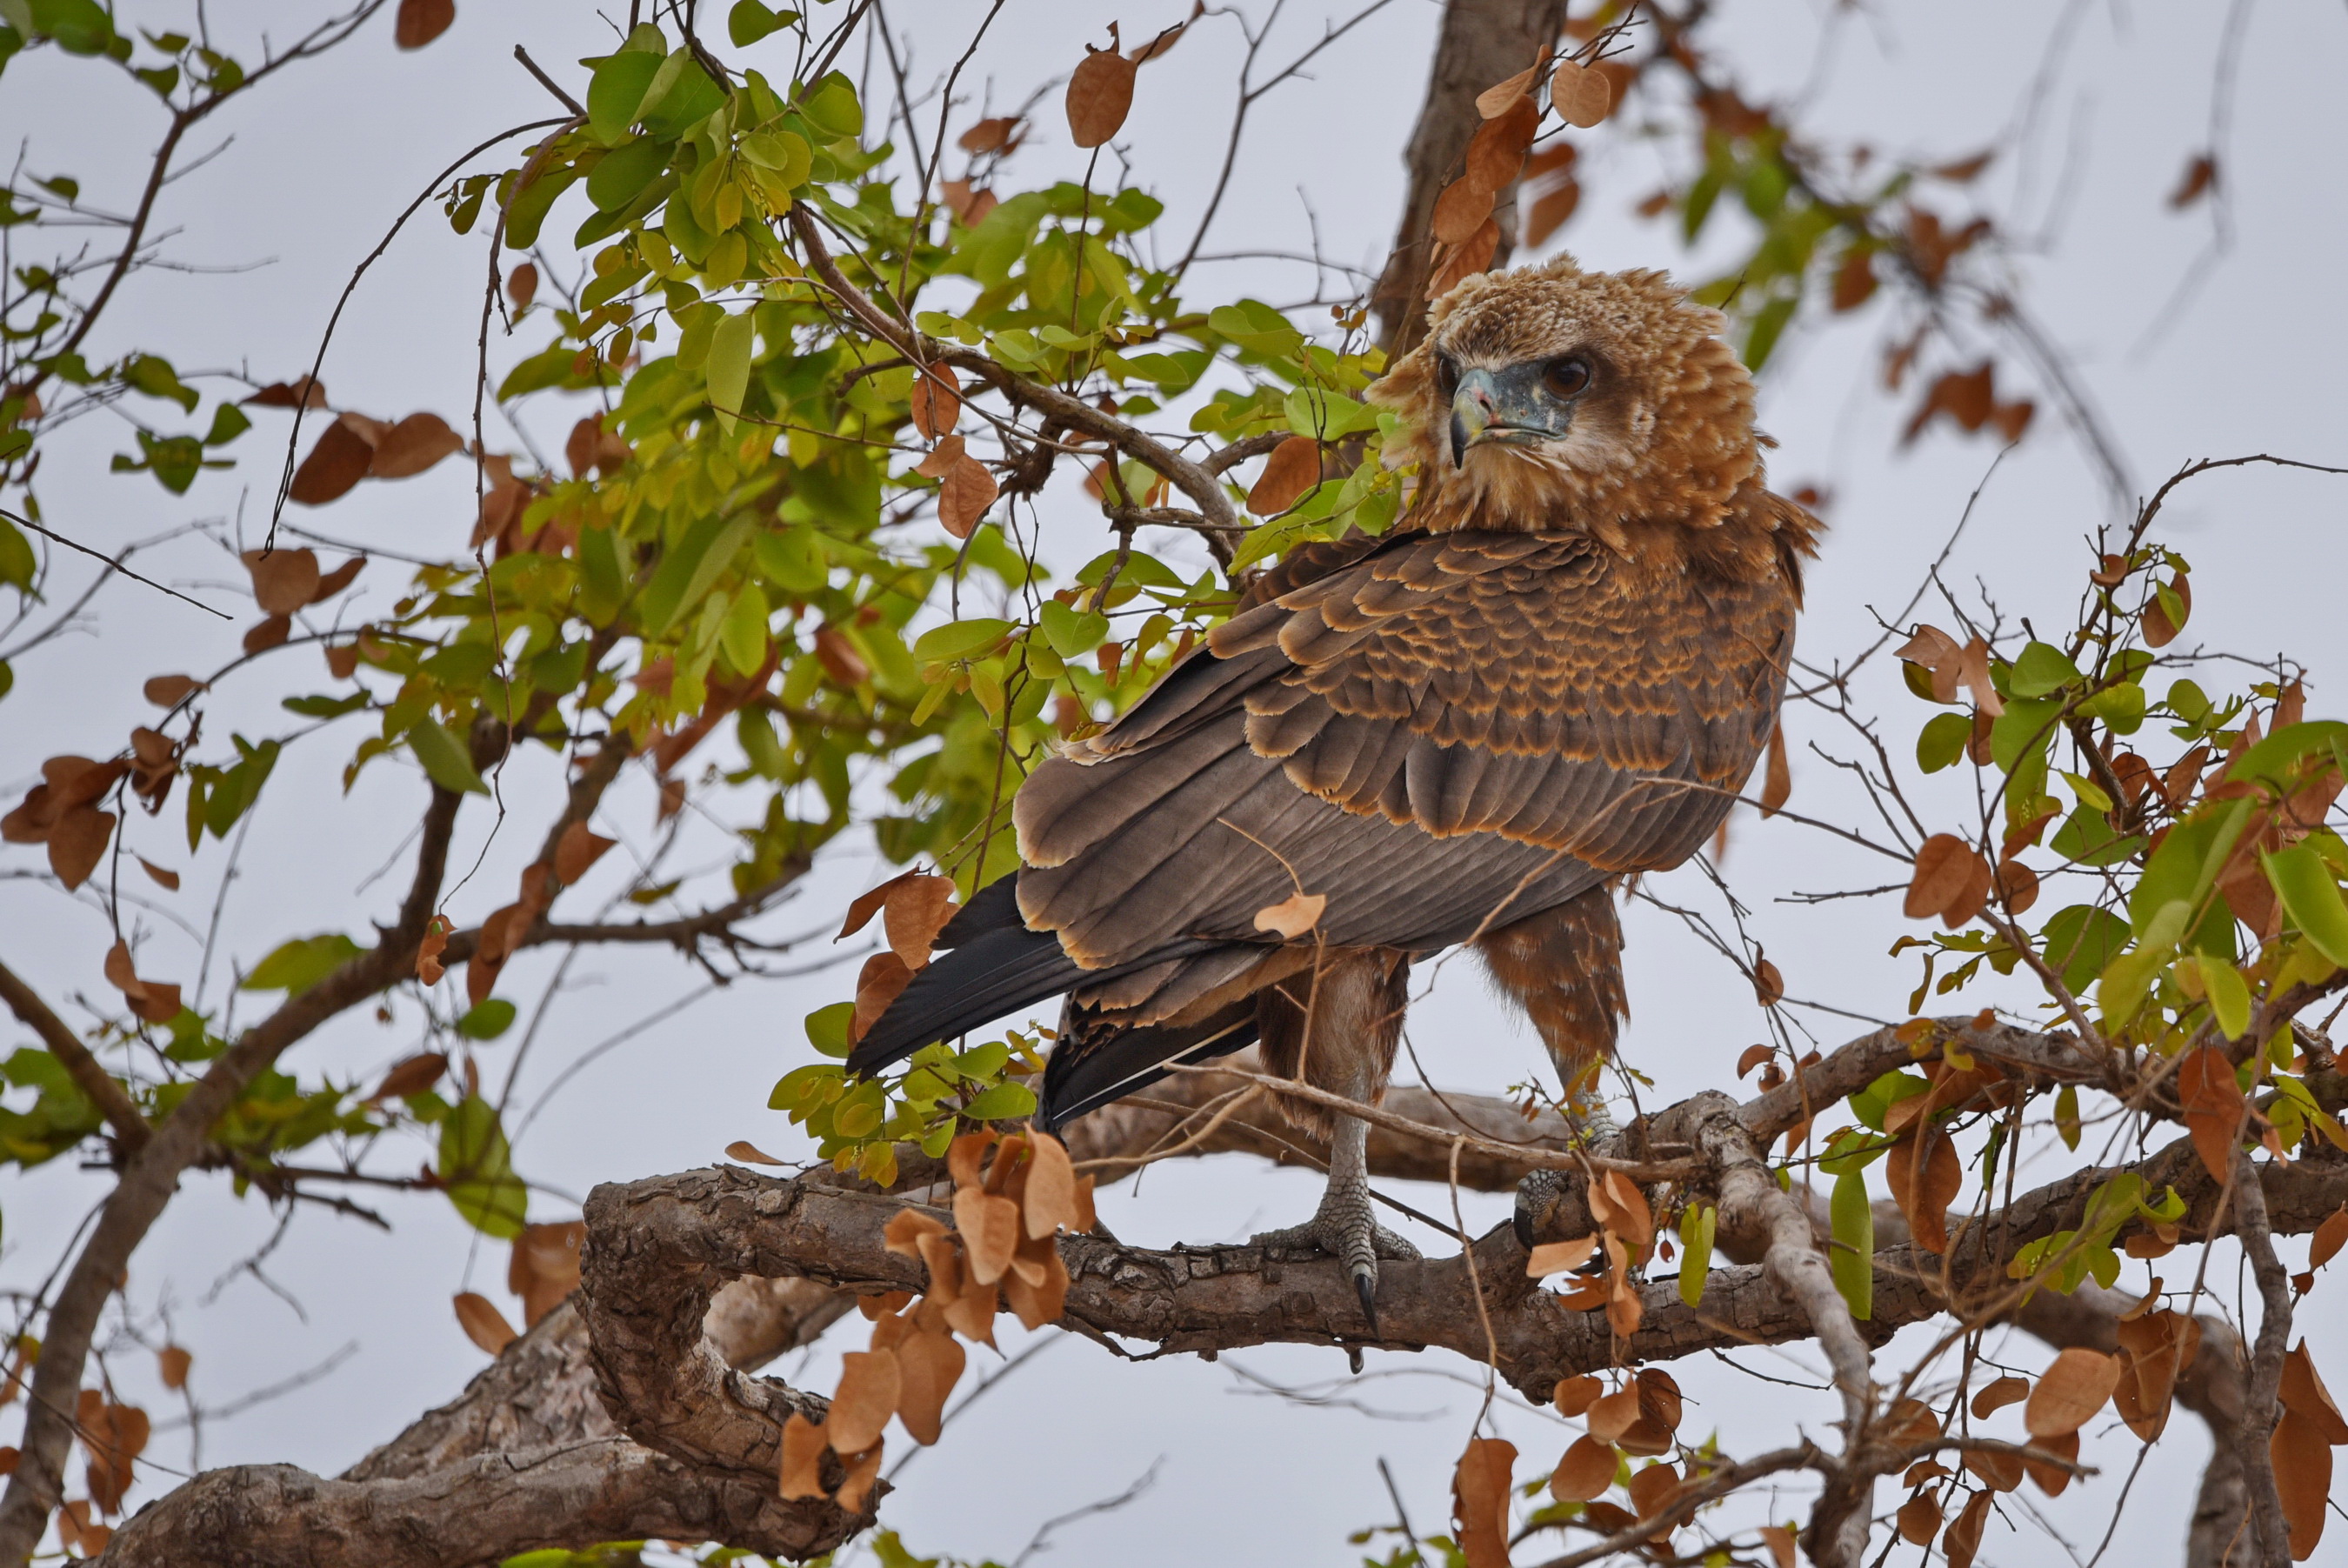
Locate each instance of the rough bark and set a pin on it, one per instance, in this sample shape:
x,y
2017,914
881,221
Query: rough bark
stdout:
x,y
1481,42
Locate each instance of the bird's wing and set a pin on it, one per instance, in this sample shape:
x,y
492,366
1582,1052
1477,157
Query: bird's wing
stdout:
x,y
1438,733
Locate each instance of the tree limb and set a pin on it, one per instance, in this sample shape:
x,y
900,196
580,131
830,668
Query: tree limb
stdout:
x,y
130,1128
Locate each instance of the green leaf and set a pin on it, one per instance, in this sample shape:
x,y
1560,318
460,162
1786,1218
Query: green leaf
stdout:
x,y
2080,941
2187,864
1697,1223
325,707
2272,759
831,107
691,568
1853,1258
1256,326
77,27
1327,415
489,1019
743,633
2311,898
1943,741
1070,634
2126,984
616,92
1005,1101
444,758
2042,668
827,1028
748,22
728,368
228,422
2229,997
962,639
1768,326
2086,839
300,964
2066,1115
477,1163
625,172
786,155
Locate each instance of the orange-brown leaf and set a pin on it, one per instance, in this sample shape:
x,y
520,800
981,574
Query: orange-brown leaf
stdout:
x,y
172,1363
411,1075
2070,1392
1497,152
2303,1393
1779,1539
865,1400
1294,467
1580,95
2302,1473
1479,1501
1997,1396
412,446
936,400
2199,175
916,909
968,490
544,1266
1572,1396
1556,1257
1964,1536
2053,1479
1778,783
283,579
338,460
269,634
1587,1471
1100,95
2329,1237
483,1324
77,843
1768,984
1292,917
884,974
521,286
1919,1518
1613,1414
2212,1099
929,1364
579,848
1050,1199
169,691
1551,210
988,135
1459,211
989,1225
1926,1177
1036,1287
421,21
801,1472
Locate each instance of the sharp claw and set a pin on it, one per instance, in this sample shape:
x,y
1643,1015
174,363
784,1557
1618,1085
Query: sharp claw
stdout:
x,y
1366,1285
1521,1222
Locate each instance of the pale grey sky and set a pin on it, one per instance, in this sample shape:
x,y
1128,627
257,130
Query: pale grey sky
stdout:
x,y
318,165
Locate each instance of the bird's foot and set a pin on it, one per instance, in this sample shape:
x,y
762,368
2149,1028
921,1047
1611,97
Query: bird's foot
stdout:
x,y
1344,1230
1591,1121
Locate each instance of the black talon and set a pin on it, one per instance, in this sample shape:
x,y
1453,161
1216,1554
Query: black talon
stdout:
x,y
1366,1285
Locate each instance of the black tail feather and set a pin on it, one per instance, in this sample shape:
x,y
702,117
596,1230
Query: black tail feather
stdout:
x,y
978,980
1085,1074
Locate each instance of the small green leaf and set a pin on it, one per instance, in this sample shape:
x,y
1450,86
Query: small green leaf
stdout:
x,y
1943,741
1697,1223
2311,898
489,1019
616,92
960,640
2230,997
477,1163
748,22
2042,668
1005,1101
827,1028
2066,1115
444,758
228,422
300,964
1853,1258
729,368
1070,634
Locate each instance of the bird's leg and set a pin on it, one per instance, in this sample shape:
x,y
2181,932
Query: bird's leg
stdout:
x,y
1344,1225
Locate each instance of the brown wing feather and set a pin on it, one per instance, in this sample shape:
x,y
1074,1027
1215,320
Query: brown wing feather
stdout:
x,y
1440,733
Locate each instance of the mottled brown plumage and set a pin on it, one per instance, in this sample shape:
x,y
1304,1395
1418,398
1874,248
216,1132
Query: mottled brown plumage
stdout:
x,y
1556,672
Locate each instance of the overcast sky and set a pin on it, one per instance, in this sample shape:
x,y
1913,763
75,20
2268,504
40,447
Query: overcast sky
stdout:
x,y
317,165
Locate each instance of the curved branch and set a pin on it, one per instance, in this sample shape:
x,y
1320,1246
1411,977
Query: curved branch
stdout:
x,y
130,1128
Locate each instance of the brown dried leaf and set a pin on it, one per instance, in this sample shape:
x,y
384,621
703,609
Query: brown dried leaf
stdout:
x,y
1050,1198
1586,1472
411,1075
1855,281
907,1227
971,1314
1994,1468
1652,1489
2051,1478
414,444
1580,95
936,401
869,903
483,1324
171,1363
1964,1536
521,286
2329,1237
2199,176
1998,1396
2212,1098
1778,783
428,968
915,910
283,579
1613,1414
929,1364
421,21
1919,1519
1556,1257
1100,95
1768,984
2159,630
966,1154
2070,1392
2302,1471
1617,1203
1462,262
749,1154
1551,210
1292,469
266,634
2303,1393
2017,885
304,394
1752,1057
579,848
1459,211
1496,153
1924,1187
989,135
1572,1396
338,460
1503,95
1036,1287
989,1225
865,1400
544,1266
77,843
1943,866
332,583
1292,917
169,691
884,974
1779,1539
801,1472
1479,1501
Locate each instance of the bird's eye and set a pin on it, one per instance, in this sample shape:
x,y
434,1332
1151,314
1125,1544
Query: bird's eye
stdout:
x,y
1446,376
1566,377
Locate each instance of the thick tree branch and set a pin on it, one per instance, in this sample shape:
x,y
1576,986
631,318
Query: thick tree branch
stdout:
x,y
153,1175
130,1128
2260,1410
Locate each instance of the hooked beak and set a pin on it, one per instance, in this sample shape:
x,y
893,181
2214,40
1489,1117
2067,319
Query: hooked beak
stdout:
x,y
1505,404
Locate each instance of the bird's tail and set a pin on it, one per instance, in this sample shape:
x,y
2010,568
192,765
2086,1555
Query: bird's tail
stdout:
x,y
1090,1068
992,964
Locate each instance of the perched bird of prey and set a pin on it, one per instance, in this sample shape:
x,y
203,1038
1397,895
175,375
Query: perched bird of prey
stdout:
x,y
1555,671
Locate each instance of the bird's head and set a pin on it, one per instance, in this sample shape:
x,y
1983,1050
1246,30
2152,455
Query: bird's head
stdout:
x,y
1552,398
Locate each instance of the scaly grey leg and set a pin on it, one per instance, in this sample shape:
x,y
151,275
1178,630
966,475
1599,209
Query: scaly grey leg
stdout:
x,y
1344,1226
